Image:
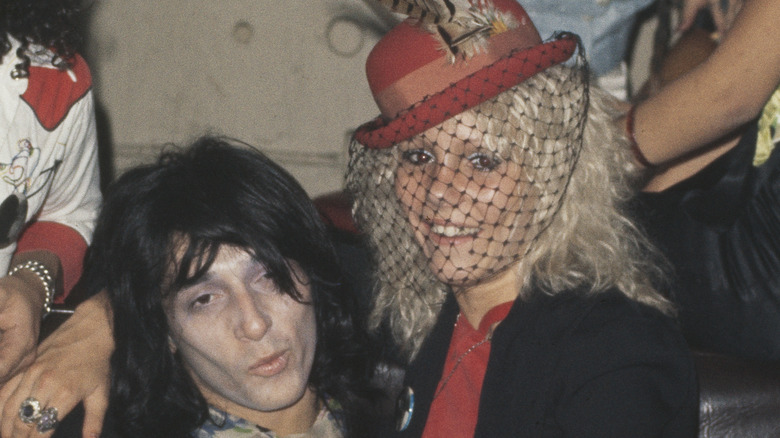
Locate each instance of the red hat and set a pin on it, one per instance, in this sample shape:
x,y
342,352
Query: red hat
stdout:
x,y
417,84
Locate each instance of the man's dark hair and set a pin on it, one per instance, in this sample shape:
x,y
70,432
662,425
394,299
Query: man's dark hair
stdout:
x,y
161,228
53,24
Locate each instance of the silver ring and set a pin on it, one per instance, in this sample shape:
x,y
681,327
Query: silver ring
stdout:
x,y
30,410
48,420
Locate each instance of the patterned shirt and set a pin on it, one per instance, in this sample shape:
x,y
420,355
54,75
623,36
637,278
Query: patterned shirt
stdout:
x,y
224,425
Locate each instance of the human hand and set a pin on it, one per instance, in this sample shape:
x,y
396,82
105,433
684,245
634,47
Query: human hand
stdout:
x,y
21,307
72,365
723,13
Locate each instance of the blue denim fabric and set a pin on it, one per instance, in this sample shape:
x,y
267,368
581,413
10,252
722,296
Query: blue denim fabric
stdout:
x,y
604,25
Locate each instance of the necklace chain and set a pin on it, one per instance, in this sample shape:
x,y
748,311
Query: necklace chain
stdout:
x,y
463,355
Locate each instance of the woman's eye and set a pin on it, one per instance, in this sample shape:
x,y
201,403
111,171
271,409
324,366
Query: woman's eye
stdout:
x,y
418,157
484,162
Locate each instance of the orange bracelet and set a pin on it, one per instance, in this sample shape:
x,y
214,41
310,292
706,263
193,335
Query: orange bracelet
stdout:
x,y
638,155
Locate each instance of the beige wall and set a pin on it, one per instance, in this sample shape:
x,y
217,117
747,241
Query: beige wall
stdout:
x,y
284,75
259,70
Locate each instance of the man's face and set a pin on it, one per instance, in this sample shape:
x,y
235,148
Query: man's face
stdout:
x,y
244,341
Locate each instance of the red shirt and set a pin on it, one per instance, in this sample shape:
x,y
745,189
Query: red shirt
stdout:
x,y
456,403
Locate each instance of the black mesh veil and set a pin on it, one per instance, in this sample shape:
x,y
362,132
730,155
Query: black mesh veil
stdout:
x,y
467,198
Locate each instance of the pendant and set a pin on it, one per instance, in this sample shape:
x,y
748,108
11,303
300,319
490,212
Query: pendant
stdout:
x,y
404,408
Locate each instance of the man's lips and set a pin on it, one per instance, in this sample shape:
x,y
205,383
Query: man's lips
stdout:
x,y
269,366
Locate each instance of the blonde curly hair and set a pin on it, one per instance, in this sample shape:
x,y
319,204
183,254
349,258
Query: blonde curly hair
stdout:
x,y
582,238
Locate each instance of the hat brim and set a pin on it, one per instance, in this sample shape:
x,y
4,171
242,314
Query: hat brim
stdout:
x,y
467,93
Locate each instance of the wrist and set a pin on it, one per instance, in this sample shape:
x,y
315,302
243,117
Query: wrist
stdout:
x,y
97,307
38,277
638,155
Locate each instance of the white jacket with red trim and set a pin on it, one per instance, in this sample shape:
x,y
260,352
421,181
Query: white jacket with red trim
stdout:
x,y
48,153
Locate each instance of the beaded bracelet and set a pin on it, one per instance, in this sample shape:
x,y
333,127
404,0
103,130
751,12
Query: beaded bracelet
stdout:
x,y
42,273
638,155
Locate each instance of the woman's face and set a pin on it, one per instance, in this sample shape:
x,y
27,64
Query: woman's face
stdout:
x,y
467,205
245,342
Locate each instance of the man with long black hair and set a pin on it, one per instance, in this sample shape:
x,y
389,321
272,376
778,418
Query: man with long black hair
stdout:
x,y
229,307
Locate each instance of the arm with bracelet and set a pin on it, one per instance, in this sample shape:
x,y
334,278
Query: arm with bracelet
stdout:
x,y
711,204
40,271
713,100
26,296
49,197
50,204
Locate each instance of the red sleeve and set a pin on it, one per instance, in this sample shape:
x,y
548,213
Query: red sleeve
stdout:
x,y
62,240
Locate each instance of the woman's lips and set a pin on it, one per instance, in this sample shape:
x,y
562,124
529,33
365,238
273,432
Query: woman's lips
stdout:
x,y
449,234
270,366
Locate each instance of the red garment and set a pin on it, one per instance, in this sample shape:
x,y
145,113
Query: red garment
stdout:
x,y
454,411
62,240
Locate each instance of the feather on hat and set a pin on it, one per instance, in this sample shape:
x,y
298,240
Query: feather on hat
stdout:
x,y
447,57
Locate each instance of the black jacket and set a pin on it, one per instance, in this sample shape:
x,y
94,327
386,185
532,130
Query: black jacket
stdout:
x,y
719,229
572,366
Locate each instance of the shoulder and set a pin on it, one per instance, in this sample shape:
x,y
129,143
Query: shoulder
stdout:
x,y
566,312
609,319
51,92
583,336
605,359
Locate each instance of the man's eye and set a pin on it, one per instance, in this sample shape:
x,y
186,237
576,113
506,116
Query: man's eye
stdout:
x,y
264,283
202,300
261,277
418,157
484,162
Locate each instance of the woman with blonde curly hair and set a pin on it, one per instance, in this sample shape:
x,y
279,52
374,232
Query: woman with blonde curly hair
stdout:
x,y
492,189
